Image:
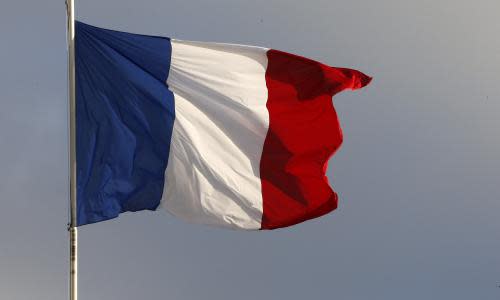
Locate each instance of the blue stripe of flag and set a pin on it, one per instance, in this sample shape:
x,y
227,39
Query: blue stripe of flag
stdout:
x,y
124,119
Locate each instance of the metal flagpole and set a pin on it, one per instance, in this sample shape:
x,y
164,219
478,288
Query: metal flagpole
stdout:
x,y
73,233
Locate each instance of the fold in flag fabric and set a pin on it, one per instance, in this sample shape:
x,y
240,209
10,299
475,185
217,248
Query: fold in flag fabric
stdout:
x,y
221,134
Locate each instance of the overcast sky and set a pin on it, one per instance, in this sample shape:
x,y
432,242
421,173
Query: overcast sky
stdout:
x,y
418,174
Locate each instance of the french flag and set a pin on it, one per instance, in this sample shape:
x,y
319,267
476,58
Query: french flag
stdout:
x,y
221,134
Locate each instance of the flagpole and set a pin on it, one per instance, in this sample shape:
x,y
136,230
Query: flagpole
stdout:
x,y
73,233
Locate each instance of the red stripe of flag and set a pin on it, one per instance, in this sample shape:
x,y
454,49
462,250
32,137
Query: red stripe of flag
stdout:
x,y
303,133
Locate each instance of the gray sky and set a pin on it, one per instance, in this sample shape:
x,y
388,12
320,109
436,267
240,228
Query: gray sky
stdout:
x,y
418,173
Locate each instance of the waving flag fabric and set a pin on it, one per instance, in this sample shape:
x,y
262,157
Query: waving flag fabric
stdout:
x,y
222,134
